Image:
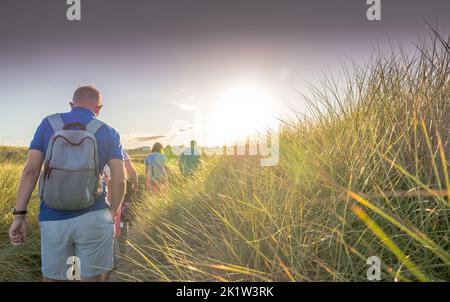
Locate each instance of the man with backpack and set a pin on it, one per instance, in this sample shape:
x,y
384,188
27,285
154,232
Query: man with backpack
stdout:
x,y
76,223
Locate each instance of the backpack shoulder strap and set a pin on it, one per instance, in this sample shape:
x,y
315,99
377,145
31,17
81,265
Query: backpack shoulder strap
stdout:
x,y
56,122
94,125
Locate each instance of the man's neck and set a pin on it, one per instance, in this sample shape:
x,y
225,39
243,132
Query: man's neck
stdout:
x,y
84,107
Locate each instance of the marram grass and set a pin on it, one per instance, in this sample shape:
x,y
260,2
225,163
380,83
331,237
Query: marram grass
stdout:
x,y
363,173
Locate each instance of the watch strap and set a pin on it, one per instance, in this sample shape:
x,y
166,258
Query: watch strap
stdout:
x,y
21,212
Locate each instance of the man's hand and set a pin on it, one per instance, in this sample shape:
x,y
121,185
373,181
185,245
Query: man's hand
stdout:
x,y
132,174
30,175
18,231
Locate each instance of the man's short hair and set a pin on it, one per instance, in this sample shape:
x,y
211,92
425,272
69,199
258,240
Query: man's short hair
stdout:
x,y
87,94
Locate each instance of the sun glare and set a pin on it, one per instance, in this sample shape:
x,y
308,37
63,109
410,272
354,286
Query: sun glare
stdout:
x,y
242,112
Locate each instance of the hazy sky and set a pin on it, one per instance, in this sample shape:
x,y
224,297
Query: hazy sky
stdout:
x,y
184,68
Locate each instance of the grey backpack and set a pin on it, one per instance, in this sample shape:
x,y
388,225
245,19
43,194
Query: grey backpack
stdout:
x,y
71,177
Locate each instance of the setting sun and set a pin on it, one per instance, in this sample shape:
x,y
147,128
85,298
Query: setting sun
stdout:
x,y
242,111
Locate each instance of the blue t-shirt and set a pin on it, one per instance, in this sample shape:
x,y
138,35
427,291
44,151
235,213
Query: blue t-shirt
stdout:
x,y
158,161
109,147
155,156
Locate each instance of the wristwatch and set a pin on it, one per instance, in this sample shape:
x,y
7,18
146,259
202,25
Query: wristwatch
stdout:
x,y
17,212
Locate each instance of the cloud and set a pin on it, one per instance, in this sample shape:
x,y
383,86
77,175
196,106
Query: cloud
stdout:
x,y
186,129
147,138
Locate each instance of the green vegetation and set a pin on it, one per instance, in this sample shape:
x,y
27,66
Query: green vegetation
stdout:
x,y
364,173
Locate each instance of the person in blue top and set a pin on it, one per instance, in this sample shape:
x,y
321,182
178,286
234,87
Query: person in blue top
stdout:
x,y
156,169
85,235
189,161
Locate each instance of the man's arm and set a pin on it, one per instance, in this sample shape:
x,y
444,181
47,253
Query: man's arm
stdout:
x,y
30,176
132,173
117,184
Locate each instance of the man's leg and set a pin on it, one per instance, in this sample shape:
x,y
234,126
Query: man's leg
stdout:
x,y
100,278
94,245
56,250
105,277
52,280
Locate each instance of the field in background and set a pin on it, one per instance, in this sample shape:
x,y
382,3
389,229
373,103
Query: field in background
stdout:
x,y
365,174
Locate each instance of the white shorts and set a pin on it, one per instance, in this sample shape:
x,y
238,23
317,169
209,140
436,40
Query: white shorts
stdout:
x,y
88,238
